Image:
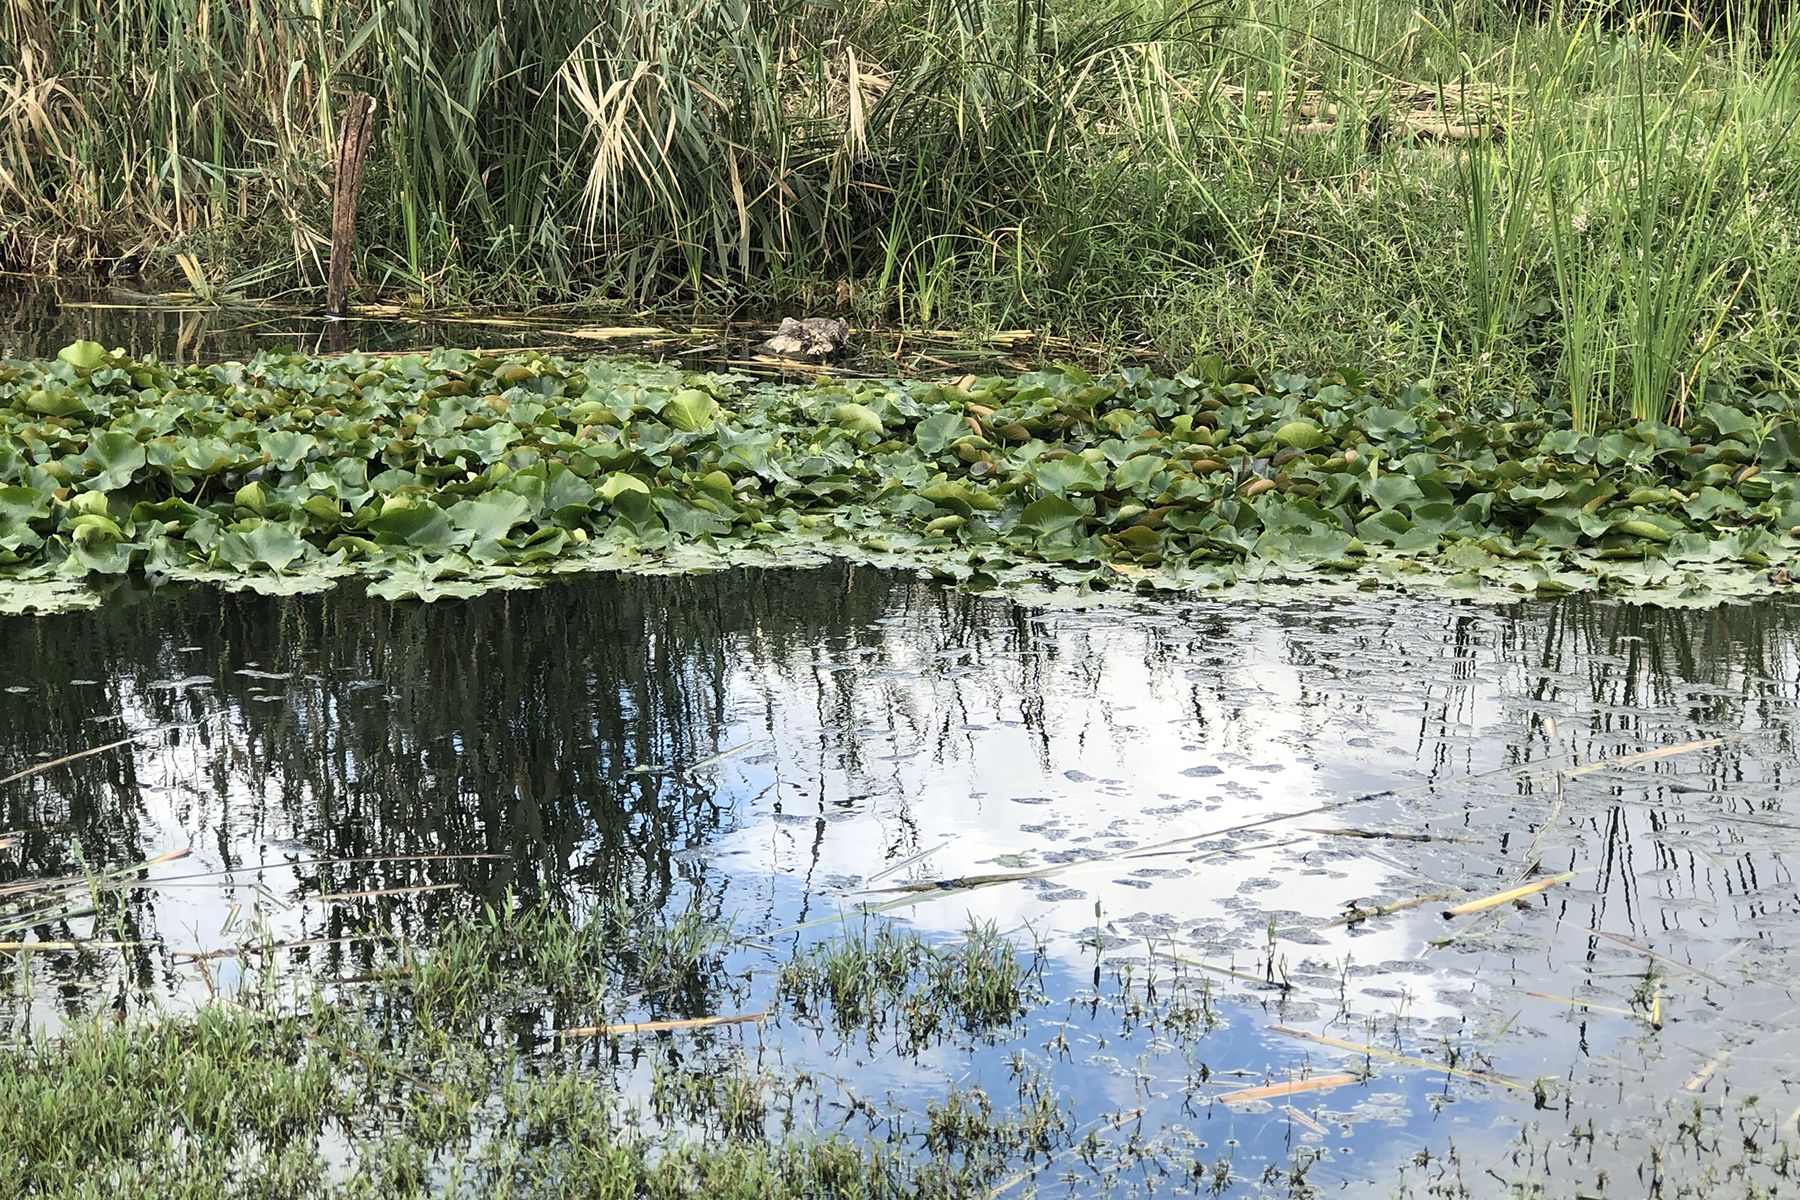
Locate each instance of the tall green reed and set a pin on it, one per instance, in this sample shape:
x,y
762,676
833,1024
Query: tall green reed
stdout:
x,y
1203,177
1631,208
638,149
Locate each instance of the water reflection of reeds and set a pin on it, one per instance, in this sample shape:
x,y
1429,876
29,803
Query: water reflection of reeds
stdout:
x,y
552,727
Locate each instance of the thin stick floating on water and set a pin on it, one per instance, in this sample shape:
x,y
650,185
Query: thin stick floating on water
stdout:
x,y
904,863
721,756
1301,1118
1402,1059
630,1027
329,897
1589,1005
227,872
1272,1091
37,768
114,877
263,948
1644,756
68,758
1688,968
1357,914
27,947
1384,835
1509,895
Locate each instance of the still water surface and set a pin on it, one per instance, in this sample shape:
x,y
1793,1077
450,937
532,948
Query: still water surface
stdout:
x,y
775,748
1190,791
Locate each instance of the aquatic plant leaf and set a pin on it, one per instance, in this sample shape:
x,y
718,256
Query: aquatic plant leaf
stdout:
x,y
56,401
1061,476
568,494
85,355
1780,449
420,524
1051,517
1393,491
955,494
858,418
1301,435
1730,422
20,504
285,448
116,457
490,517
266,544
687,517
618,484
936,434
691,411
1379,421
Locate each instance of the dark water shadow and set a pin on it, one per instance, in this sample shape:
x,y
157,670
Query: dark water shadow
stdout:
x,y
38,319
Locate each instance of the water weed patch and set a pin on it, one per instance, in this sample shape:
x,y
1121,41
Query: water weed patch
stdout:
x,y
452,473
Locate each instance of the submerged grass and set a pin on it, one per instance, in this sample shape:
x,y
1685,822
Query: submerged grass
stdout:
x,y
422,1085
1585,206
868,979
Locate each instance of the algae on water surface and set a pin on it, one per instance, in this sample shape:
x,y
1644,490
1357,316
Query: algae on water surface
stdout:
x,y
453,473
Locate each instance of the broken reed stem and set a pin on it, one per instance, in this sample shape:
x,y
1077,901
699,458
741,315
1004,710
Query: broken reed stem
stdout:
x,y
1685,968
37,768
353,147
1357,914
1402,1059
1510,894
1315,1083
67,758
412,890
630,1027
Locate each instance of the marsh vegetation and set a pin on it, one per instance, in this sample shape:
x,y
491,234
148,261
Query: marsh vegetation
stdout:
x,y
1583,206
449,474
754,814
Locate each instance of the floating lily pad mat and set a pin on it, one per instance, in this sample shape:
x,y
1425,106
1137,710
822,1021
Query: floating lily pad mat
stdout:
x,y
453,473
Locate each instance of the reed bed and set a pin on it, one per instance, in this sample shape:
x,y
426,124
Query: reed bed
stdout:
x,y
1529,203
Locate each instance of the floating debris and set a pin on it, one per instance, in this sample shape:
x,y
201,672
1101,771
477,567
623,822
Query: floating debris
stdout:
x,y
627,1028
1508,896
814,338
1274,1091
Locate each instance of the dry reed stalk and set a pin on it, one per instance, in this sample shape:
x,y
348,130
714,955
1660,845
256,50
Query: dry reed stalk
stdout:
x,y
631,1027
353,148
1402,1059
1272,1091
1509,895
412,890
1356,915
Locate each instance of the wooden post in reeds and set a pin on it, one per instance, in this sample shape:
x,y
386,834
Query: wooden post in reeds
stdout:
x,y
353,146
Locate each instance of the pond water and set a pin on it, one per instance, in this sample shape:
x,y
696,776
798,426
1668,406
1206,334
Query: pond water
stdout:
x,y
1171,808
38,319
1190,792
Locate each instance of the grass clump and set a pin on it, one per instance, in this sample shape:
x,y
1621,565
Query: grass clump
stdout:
x,y
199,1107
530,959
454,473
437,1080
881,980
